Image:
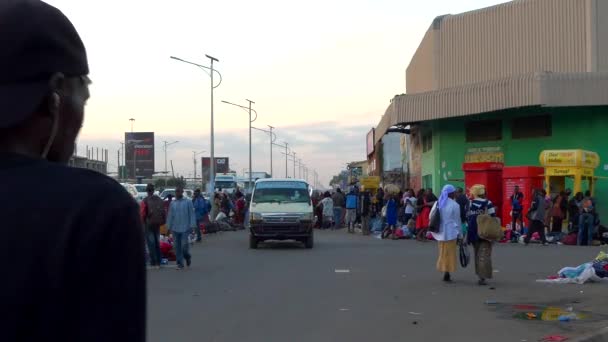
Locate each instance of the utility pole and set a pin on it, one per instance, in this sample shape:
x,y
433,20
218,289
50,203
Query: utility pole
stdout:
x,y
286,155
119,173
271,142
294,165
250,162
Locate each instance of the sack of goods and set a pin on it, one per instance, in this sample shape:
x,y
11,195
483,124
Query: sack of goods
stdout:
x,y
488,227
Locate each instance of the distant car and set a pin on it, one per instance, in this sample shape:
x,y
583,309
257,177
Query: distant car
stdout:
x,y
141,191
187,193
131,189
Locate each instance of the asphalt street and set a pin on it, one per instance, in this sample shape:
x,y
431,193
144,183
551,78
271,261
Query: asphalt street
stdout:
x,y
356,288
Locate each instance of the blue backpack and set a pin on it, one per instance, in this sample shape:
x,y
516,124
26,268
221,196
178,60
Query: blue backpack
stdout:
x,y
351,201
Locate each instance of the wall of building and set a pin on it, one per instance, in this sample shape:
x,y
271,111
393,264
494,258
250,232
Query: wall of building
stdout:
x,y
513,38
601,20
572,128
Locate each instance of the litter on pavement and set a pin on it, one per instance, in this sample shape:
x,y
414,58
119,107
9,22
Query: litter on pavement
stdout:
x,y
594,271
554,338
342,271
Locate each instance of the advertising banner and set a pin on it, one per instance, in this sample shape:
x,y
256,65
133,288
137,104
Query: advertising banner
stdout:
x,y
370,142
222,165
139,154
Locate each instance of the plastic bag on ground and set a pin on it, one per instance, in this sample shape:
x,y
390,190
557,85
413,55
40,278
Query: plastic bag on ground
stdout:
x,y
574,275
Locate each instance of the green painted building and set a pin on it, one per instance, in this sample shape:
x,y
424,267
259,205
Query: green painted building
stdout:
x,y
496,85
516,136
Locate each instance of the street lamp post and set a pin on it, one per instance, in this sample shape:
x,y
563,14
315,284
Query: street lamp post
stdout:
x,y
250,110
294,164
194,154
273,137
167,144
213,86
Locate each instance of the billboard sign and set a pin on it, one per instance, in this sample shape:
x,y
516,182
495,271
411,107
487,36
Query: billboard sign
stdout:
x,y
370,142
222,165
139,154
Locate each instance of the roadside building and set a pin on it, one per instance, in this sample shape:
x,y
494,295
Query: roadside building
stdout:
x,y
502,84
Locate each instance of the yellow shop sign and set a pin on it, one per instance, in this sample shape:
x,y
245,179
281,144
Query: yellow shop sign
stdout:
x,y
558,171
370,182
569,158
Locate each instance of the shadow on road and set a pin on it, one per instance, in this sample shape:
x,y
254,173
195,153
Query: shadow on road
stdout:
x,y
280,245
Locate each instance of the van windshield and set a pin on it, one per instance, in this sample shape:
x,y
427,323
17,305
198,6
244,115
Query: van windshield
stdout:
x,y
281,192
225,184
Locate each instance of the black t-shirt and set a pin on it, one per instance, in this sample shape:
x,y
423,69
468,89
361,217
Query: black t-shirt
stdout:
x,y
72,253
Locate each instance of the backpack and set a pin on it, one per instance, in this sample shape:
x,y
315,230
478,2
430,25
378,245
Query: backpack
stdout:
x,y
351,201
155,210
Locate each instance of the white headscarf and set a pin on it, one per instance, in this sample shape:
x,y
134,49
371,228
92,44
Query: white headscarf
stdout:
x,y
443,198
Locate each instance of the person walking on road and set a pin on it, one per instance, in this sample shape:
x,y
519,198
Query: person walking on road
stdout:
x,y
538,218
58,284
449,231
201,209
328,210
181,221
351,210
482,248
153,216
339,202
366,206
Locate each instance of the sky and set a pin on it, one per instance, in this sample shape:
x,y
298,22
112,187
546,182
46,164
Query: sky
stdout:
x,y
322,72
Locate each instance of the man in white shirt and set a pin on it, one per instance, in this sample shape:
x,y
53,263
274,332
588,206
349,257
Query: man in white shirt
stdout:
x,y
409,201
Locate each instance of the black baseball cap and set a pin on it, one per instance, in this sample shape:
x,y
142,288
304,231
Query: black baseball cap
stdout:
x,y
36,41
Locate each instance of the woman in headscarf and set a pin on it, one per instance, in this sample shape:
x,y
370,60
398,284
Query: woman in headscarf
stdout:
x,y
422,221
449,231
483,248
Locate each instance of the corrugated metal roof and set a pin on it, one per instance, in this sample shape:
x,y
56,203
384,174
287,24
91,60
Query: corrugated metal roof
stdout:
x,y
532,89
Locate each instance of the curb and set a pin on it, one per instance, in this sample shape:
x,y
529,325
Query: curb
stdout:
x,y
598,336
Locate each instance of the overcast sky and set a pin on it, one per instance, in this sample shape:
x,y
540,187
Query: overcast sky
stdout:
x,y
321,71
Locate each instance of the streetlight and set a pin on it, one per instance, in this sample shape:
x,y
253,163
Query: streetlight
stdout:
x,y
250,122
286,146
273,138
194,154
167,144
212,146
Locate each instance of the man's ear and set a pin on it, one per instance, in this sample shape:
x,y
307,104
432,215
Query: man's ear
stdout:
x,y
57,83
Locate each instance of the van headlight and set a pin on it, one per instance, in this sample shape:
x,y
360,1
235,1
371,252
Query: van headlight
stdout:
x,y
306,217
255,218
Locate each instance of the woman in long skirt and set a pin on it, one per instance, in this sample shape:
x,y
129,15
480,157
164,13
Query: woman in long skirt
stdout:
x,y
483,248
449,231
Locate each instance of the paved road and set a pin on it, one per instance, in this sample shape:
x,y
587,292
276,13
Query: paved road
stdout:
x,y
392,292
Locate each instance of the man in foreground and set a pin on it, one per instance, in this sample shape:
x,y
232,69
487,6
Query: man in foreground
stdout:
x,y
60,283
181,222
